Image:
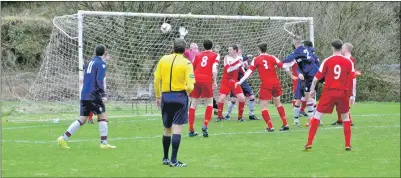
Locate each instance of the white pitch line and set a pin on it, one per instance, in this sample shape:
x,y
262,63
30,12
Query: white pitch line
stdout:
x,y
216,134
233,113
159,115
154,119
50,125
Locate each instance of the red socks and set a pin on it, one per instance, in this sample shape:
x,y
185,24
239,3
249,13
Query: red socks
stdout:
x,y
312,130
241,106
220,107
282,115
347,133
303,105
191,119
208,115
266,117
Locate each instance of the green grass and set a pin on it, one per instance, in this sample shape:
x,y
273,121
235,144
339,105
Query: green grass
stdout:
x,y
233,148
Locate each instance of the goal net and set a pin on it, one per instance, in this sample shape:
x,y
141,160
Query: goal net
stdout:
x,y
135,43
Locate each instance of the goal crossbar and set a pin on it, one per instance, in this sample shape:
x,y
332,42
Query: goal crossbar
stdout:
x,y
104,13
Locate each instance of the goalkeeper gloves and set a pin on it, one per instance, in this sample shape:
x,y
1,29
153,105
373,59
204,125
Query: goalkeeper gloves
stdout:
x,y
183,32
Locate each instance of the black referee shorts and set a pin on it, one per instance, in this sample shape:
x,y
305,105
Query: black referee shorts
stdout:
x,y
174,107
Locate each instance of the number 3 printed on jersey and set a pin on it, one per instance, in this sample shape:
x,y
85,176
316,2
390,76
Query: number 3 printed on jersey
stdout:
x,y
265,64
204,61
337,71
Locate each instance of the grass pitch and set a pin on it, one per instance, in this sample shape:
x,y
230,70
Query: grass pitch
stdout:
x,y
232,149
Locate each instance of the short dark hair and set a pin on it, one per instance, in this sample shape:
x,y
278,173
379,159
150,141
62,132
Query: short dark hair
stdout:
x,y
234,46
262,47
100,50
308,43
337,44
208,44
179,45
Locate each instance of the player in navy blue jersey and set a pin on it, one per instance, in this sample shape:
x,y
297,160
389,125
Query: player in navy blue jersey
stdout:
x,y
93,97
309,45
307,68
246,88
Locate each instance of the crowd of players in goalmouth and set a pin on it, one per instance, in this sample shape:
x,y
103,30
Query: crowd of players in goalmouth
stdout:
x,y
188,73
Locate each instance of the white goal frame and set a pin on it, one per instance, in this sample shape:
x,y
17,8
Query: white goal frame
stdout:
x,y
81,17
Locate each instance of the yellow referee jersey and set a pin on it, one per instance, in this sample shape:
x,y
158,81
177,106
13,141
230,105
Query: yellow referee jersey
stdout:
x,y
175,73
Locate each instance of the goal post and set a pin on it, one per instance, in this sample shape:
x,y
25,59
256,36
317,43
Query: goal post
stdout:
x,y
135,43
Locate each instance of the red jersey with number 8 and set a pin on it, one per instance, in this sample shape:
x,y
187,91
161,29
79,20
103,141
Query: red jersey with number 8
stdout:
x,y
338,72
203,66
266,65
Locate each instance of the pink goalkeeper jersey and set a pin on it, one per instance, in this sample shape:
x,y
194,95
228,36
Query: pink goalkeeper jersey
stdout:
x,y
191,54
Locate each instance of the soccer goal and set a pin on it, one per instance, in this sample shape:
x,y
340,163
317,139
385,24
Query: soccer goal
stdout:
x,y
135,43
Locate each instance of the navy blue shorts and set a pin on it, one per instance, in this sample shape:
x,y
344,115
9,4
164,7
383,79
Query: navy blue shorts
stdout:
x,y
302,87
246,89
174,107
95,106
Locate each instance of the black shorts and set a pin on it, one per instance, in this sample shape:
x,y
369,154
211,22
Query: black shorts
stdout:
x,y
174,107
302,87
246,89
95,106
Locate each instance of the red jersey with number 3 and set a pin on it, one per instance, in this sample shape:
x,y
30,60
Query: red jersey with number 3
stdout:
x,y
266,65
203,66
338,72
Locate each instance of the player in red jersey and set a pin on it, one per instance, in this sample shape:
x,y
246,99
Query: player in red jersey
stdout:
x,y
232,65
338,72
346,51
270,87
205,66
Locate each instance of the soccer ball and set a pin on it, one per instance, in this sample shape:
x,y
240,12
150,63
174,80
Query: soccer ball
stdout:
x,y
165,28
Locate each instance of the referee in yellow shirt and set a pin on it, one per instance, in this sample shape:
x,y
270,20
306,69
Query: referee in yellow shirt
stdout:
x,y
175,74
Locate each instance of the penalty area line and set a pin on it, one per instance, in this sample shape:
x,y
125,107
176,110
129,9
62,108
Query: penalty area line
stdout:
x,y
212,135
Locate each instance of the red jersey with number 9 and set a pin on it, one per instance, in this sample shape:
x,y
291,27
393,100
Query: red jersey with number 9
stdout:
x,y
338,72
203,66
266,65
